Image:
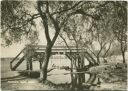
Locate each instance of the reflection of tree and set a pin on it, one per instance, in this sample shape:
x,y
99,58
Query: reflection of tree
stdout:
x,y
92,81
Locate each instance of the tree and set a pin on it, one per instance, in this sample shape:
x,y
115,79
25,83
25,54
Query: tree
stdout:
x,y
75,30
83,23
17,21
101,38
57,20
120,25
57,25
111,25
22,24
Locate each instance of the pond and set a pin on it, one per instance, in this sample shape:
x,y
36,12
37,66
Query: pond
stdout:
x,y
59,79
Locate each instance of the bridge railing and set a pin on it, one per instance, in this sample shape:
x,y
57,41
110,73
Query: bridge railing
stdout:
x,y
14,61
31,49
41,48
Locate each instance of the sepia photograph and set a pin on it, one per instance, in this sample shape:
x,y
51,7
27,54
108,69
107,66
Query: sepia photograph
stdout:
x,y
69,45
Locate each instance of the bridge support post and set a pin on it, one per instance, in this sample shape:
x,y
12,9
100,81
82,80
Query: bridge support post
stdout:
x,y
29,65
40,61
77,62
73,76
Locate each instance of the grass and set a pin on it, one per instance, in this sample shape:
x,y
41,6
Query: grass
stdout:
x,y
111,72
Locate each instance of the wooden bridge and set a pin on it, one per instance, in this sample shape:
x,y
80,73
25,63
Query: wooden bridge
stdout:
x,y
38,51
41,48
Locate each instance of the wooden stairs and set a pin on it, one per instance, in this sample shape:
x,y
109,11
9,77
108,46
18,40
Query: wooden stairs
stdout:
x,y
17,61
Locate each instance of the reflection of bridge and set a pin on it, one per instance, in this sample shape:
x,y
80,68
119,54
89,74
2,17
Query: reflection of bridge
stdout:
x,y
38,51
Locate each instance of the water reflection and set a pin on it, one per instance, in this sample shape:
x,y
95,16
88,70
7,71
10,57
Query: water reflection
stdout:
x,y
60,78
90,81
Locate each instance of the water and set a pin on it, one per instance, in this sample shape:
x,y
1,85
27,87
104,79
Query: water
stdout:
x,y
57,76
57,60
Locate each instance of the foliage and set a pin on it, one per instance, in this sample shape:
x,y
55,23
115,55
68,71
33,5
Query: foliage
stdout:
x,y
111,72
84,22
94,25
16,22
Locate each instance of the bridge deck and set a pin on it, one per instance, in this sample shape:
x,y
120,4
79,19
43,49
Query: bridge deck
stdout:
x,y
41,48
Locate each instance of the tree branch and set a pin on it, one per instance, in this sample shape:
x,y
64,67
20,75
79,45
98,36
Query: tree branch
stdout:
x,y
80,11
92,52
66,9
102,46
35,16
108,49
65,42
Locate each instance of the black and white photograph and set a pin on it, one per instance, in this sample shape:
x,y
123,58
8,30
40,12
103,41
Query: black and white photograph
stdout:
x,y
67,45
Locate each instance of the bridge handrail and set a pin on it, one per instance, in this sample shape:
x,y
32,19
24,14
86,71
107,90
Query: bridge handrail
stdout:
x,y
17,55
54,47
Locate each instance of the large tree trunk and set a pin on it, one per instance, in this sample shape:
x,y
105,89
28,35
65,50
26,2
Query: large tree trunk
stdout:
x,y
43,73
